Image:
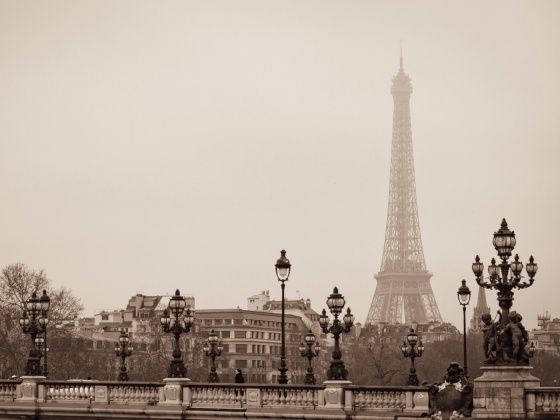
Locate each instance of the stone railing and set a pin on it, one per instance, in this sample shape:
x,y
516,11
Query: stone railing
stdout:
x,y
215,395
134,393
387,398
8,390
67,391
180,398
304,397
542,402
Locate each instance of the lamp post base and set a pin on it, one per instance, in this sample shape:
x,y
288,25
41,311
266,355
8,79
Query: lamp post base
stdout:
x,y
33,366
337,371
283,378
213,377
177,369
413,378
123,376
309,378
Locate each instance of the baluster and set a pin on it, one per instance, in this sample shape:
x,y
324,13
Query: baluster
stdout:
x,y
546,402
264,396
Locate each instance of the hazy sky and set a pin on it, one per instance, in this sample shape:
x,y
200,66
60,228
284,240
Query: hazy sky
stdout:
x,y
146,146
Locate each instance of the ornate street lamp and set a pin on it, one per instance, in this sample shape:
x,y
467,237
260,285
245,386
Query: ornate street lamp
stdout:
x,y
412,352
213,348
504,277
123,350
34,322
283,268
336,303
177,321
464,297
309,350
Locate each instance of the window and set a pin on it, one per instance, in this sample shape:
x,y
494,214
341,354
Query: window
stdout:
x,y
240,334
105,317
241,348
226,348
240,364
225,334
237,322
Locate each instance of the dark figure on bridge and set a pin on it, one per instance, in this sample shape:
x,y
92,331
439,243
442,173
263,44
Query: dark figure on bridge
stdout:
x,y
239,379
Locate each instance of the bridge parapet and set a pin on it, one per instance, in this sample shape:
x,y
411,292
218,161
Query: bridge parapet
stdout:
x,y
542,402
36,396
8,390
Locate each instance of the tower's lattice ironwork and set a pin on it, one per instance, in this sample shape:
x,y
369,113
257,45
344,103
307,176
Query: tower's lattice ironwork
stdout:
x,y
403,292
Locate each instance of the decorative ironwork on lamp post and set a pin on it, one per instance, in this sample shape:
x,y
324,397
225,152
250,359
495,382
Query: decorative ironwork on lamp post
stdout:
x,y
464,297
283,268
412,352
213,348
309,350
34,322
123,350
177,321
336,303
504,277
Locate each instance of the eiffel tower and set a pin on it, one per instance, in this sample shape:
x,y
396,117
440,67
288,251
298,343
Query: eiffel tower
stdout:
x,y
403,283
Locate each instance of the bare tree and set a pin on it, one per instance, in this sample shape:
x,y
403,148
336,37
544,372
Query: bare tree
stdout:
x,y
17,283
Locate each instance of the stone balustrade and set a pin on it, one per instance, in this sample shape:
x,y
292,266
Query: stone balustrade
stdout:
x,y
134,393
180,398
8,390
387,398
301,397
216,395
542,402
67,391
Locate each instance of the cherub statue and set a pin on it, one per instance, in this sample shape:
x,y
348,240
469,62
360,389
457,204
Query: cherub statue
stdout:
x,y
519,338
489,343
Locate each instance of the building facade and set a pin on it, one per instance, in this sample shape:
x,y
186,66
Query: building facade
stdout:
x,y
252,341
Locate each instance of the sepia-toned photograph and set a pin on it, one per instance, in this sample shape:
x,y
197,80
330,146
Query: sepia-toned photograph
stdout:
x,y
279,209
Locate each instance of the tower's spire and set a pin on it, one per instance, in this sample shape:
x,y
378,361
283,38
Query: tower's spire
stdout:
x,y
480,309
401,68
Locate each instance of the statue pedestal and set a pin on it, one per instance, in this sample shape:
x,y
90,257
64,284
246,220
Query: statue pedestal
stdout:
x,y
172,392
500,392
334,393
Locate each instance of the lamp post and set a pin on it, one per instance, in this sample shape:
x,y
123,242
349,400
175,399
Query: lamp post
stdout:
x,y
283,268
123,350
34,322
309,350
336,303
412,352
464,297
213,348
501,280
177,321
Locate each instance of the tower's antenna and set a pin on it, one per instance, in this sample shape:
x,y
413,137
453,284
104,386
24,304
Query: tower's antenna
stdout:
x,y
401,67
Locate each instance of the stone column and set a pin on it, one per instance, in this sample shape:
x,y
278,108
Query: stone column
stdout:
x,y
500,392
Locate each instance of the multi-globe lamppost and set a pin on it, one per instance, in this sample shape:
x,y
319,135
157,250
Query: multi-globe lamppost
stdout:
x,y
412,352
177,321
213,348
500,279
34,322
123,350
464,297
283,268
336,303
309,350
